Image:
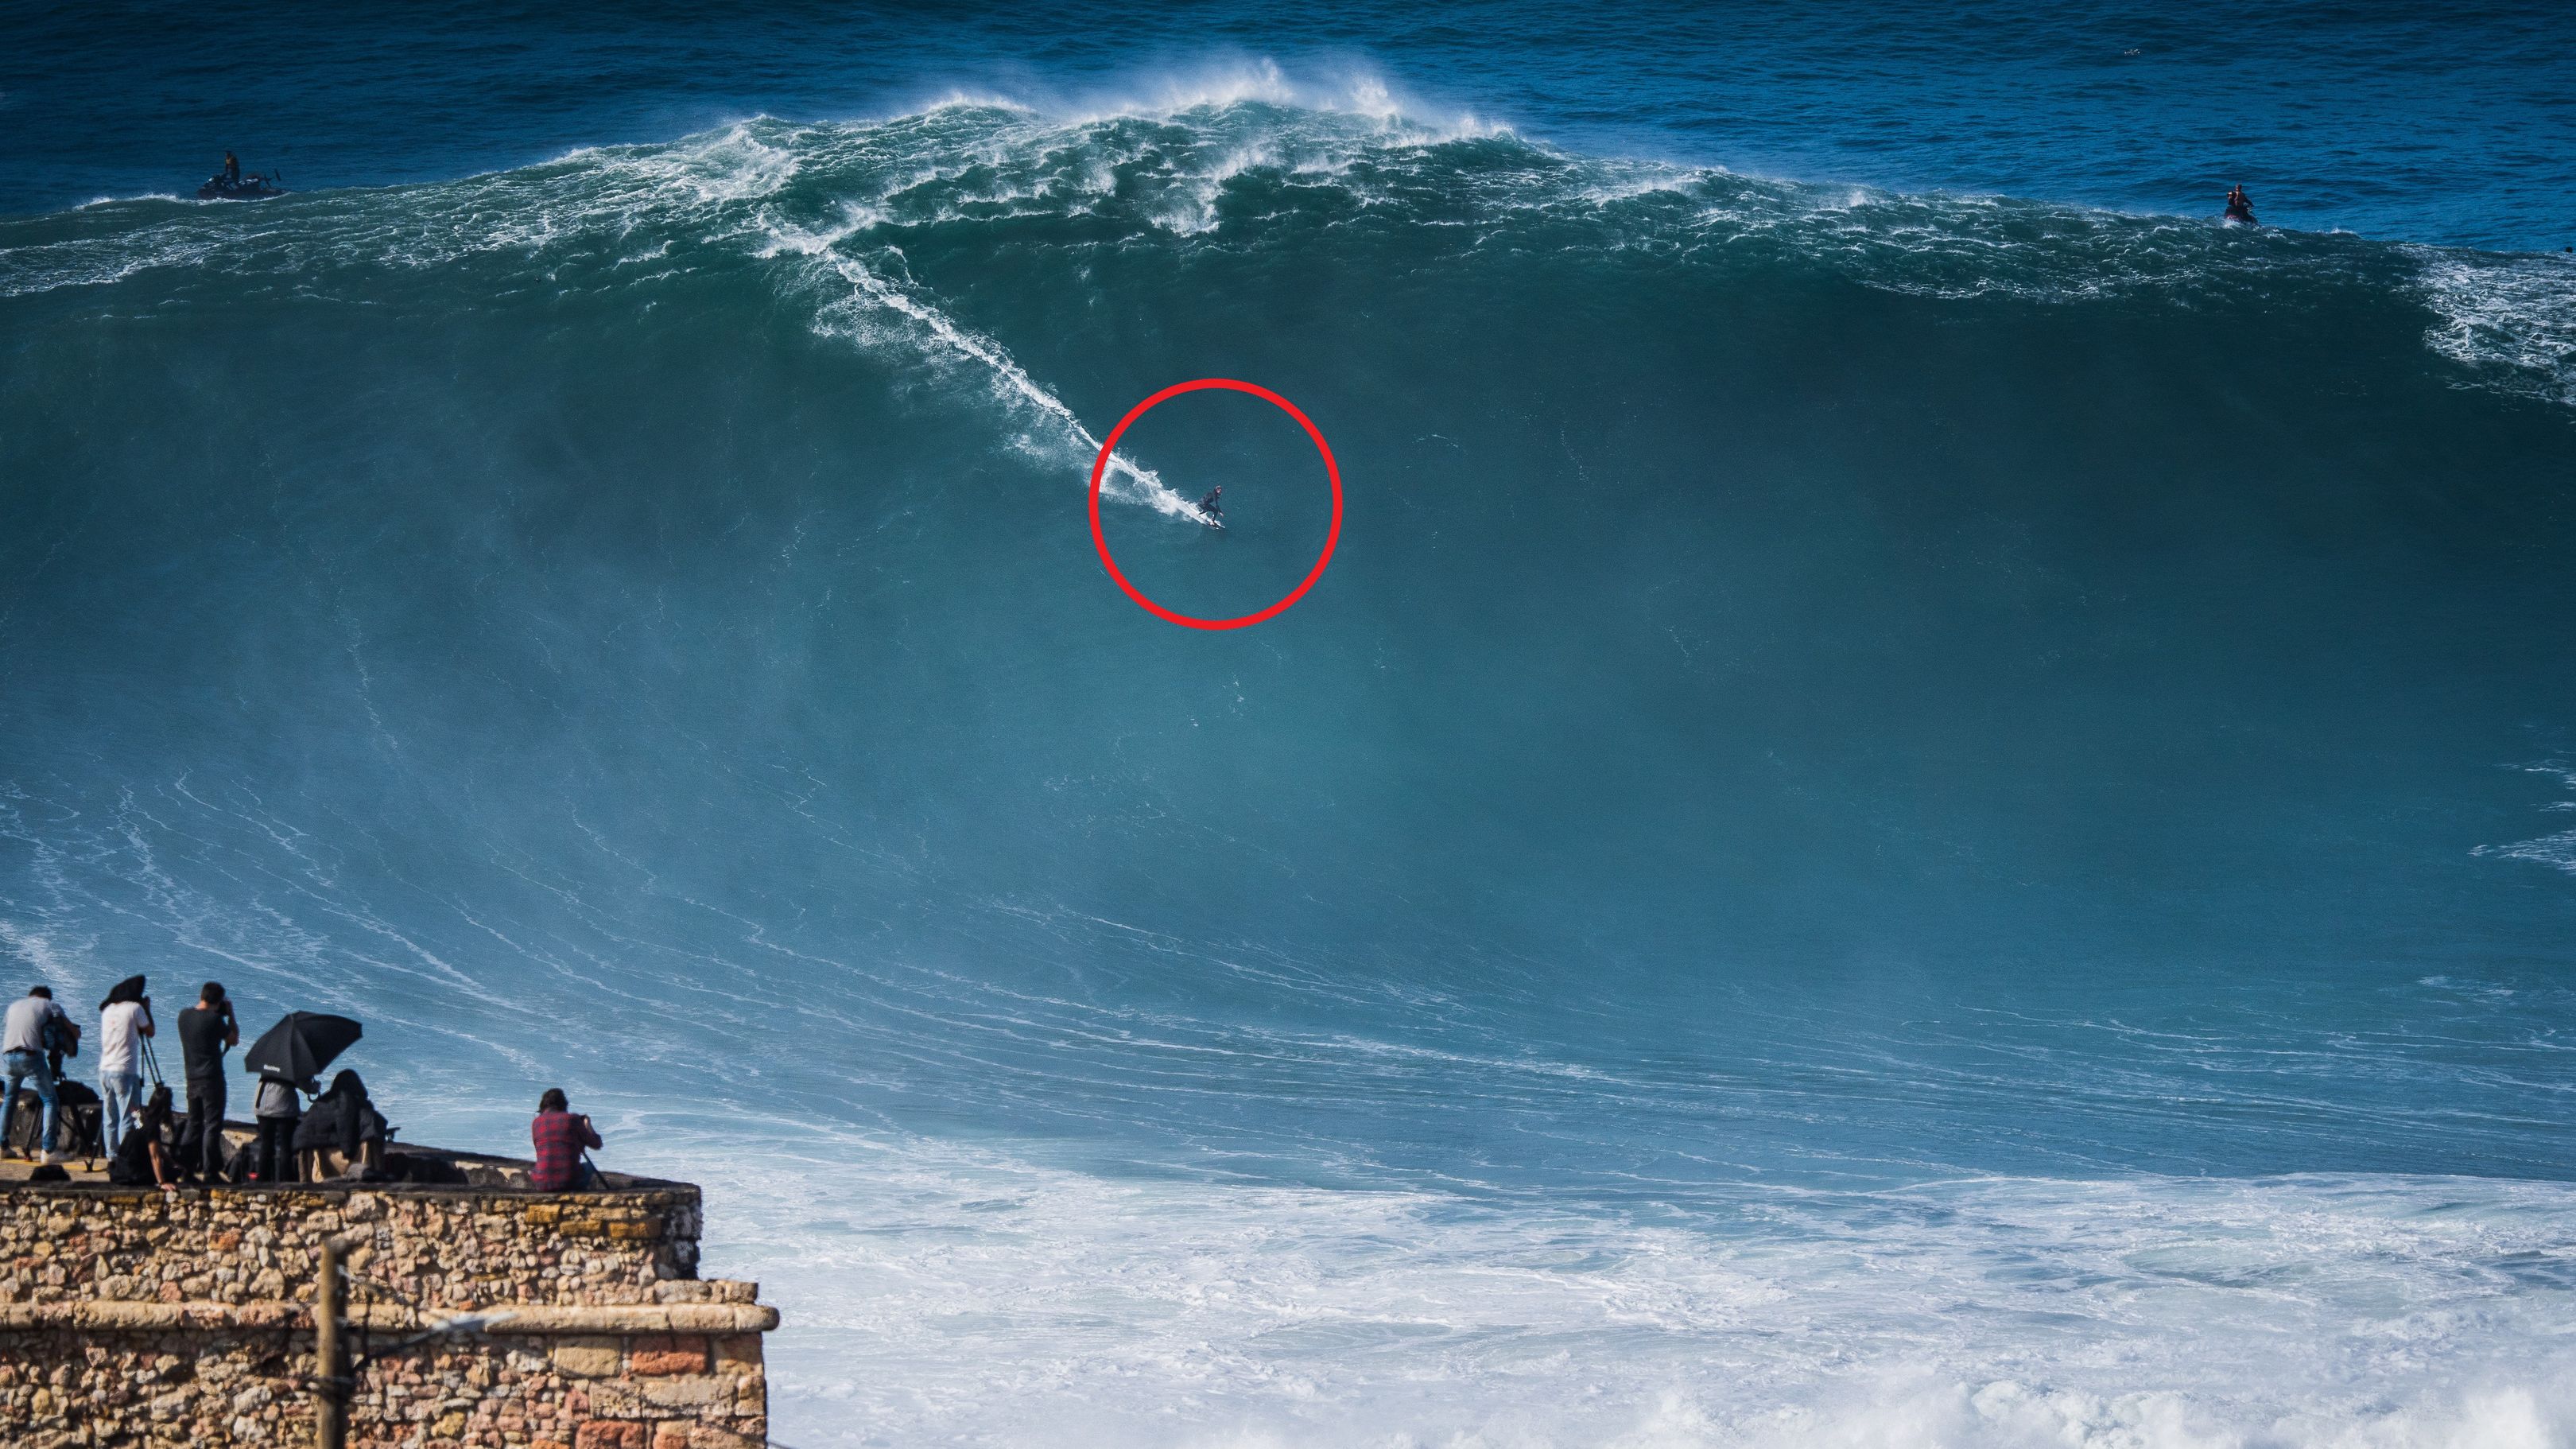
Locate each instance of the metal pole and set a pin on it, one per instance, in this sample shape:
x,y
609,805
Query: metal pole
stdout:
x,y
330,1408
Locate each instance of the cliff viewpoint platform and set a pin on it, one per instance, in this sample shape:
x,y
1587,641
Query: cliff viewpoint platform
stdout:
x,y
476,1312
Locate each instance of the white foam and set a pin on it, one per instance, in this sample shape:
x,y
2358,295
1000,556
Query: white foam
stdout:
x,y
942,1295
2558,850
2512,318
56,961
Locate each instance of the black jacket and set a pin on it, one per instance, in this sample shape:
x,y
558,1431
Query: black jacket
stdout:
x,y
338,1122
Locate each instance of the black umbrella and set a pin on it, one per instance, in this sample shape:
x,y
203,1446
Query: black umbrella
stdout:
x,y
129,989
300,1045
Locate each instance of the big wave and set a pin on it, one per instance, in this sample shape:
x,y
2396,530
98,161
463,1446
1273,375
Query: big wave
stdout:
x,y
1852,738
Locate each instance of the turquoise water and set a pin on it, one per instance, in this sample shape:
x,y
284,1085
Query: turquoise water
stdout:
x,y
1914,811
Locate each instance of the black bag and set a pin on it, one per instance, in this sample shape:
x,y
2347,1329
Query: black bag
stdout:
x,y
76,1134
428,1171
83,1116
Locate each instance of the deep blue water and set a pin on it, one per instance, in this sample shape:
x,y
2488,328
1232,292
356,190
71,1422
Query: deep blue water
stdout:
x,y
2448,124
1926,802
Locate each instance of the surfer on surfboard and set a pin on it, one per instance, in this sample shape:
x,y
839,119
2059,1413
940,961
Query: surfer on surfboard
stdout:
x,y
1210,511
2240,207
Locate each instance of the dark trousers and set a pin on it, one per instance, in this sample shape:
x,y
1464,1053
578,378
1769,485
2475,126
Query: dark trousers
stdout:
x,y
275,1157
206,1124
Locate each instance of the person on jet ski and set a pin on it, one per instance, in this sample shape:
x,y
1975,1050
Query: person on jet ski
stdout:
x,y
2240,207
1209,504
232,169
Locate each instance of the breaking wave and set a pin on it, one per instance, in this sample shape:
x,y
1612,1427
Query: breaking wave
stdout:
x,y
1884,830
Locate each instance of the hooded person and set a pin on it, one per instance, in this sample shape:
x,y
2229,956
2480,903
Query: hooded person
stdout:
x,y
124,1020
143,1157
341,1133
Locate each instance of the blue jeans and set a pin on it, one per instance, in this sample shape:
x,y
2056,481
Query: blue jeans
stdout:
x,y
118,1094
32,1064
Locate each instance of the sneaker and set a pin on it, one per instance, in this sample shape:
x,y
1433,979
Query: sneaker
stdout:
x,y
57,1158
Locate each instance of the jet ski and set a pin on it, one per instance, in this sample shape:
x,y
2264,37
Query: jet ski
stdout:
x,y
247,188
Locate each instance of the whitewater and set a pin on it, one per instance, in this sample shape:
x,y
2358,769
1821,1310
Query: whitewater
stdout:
x,y
1908,817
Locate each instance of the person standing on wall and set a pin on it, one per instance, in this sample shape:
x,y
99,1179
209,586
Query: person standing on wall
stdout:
x,y
206,1031
277,1110
122,1023
23,1048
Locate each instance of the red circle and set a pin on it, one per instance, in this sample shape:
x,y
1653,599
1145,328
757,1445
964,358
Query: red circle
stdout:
x,y
1100,541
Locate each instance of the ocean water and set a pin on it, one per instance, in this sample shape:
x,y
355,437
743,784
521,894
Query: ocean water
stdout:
x,y
1926,803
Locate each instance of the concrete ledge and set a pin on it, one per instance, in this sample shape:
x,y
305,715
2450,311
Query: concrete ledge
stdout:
x,y
530,1321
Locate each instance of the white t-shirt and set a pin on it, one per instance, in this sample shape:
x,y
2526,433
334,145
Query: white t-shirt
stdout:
x,y
118,1026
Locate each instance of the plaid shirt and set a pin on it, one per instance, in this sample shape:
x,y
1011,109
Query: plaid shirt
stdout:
x,y
560,1137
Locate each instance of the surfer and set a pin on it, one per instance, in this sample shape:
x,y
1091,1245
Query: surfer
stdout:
x,y
1209,506
2240,207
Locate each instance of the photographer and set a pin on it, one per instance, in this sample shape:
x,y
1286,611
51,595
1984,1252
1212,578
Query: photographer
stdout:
x,y
206,1031
124,1020
35,1029
560,1137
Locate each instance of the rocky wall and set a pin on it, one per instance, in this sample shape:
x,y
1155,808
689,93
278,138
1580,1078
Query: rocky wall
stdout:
x,y
436,1247
150,1319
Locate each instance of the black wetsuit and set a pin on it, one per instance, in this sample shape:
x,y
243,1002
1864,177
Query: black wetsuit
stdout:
x,y
1208,505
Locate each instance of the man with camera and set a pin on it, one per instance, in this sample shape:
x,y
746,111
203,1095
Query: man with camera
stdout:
x,y
560,1136
206,1031
124,1020
32,1039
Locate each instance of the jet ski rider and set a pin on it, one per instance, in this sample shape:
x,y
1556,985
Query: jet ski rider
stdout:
x,y
232,169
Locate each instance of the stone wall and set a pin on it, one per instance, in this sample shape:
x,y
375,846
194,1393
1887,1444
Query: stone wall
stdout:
x,y
146,1318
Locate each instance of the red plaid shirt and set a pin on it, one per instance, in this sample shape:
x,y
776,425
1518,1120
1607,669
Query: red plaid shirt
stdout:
x,y
560,1137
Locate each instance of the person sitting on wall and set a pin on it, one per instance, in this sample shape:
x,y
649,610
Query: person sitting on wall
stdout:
x,y
143,1156
342,1135
560,1137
